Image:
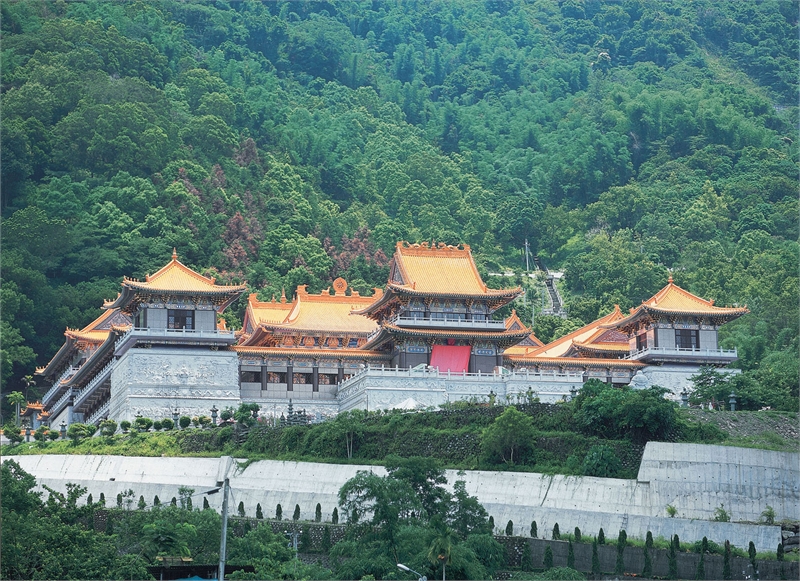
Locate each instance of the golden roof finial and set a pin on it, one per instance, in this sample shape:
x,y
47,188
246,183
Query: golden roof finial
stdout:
x,y
174,253
283,295
669,280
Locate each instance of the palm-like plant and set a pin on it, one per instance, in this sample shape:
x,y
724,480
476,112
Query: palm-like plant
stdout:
x,y
441,546
16,398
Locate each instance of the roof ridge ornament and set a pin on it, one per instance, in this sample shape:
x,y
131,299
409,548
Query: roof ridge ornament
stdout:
x,y
174,253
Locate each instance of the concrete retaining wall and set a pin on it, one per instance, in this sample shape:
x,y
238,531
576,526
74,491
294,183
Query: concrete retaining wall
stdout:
x,y
690,477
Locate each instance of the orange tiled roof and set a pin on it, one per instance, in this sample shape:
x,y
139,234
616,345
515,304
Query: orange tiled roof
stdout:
x,y
267,312
674,300
330,311
98,330
513,323
560,347
442,269
574,361
175,276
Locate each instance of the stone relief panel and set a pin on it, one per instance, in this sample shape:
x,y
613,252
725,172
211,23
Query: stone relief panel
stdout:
x,y
181,369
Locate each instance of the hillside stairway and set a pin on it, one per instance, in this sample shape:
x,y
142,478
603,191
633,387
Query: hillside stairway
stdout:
x,y
556,303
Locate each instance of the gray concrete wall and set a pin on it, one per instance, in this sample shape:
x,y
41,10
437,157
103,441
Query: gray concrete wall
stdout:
x,y
589,503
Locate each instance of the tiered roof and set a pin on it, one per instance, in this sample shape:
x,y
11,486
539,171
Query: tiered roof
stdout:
x,y
673,301
174,280
91,336
328,314
592,345
514,323
436,271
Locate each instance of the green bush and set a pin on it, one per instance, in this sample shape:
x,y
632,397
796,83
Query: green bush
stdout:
x,y
601,461
184,422
167,424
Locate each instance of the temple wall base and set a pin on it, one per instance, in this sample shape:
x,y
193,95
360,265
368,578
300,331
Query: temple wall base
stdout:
x,y
157,381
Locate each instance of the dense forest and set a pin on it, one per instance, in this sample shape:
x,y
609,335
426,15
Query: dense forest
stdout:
x,y
287,143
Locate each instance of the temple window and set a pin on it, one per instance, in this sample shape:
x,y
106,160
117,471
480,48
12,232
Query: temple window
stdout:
x,y
641,342
437,316
140,322
250,376
300,378
687,339
180,319
276,377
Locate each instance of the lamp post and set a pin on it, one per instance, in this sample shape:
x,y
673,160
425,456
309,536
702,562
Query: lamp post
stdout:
x,y
732,401
223,541
214,411
572,393
63,427
410,570
685,398
175,418
294,535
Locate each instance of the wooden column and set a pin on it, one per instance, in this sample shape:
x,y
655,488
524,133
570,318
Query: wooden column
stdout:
x,y
315,378
290,377
340,372
264,375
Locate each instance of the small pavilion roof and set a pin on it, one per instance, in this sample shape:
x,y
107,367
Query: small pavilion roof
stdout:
x,y
258,312
588,333
175,278
673,300
514,323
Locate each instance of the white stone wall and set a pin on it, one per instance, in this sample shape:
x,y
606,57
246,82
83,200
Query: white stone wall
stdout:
x,y
675,377
153,382
695,479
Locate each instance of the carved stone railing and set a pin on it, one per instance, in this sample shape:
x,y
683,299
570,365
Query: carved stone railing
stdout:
x,y
100,414
684,352
61,403
98,380
51,393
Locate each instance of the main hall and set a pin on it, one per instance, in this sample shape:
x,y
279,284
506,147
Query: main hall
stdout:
x,y
430,336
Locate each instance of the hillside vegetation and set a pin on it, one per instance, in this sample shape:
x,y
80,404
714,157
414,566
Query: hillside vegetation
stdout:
x,y
287,143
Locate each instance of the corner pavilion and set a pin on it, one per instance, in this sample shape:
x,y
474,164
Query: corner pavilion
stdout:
x,y
430,336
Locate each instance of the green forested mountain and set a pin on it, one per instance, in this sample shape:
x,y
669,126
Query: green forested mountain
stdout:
x,y
287,143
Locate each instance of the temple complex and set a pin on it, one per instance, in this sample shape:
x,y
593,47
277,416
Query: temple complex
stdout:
x,y
161,349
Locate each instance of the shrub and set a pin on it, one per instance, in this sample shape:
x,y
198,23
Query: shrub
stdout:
x,y
205,421
143,424
156,501
671,511
534,530
278,512
167,424
601,461
648,541
318,513
296,515
174,501
226,414
547,561
125,425
721,515
305,540
184,422
335,516
259,513
768,515
108,428
196,421
556,532
779,552
142,504
622,539
240,508
601,537
577,535
325,544
89,500
751,552
701,567
53,435
102,499
510,529
77,432
157,426
677,543
205,503
726,561
41,433
673,562
119,500
526,560
570,556
491,523
13,433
